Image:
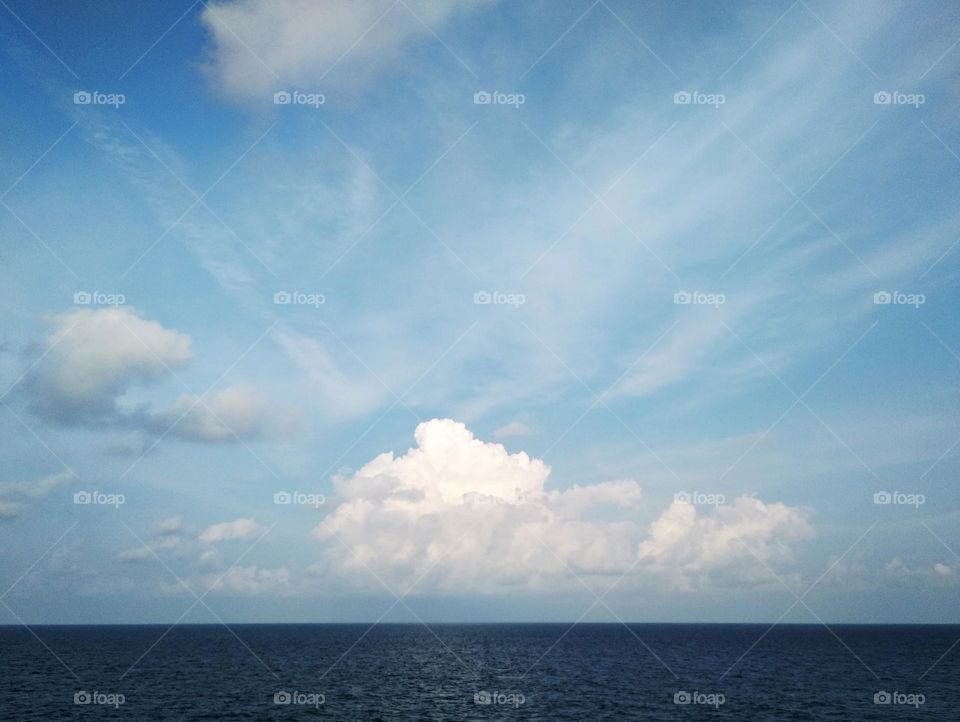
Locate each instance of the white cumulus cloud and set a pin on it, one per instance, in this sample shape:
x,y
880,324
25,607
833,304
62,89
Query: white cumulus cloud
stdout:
x,y
465,515
741,542
94,356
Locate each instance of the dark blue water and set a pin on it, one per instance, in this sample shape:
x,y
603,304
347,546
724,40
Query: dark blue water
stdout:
x,y
480,672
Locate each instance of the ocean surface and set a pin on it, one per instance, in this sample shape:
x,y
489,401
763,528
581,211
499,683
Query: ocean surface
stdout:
x,y
480,672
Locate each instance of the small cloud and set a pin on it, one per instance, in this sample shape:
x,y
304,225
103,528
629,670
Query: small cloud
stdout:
x,y
164,537
859,573
238,529
155,546
170,525
95,356
943,570
10,509
252,580
134,554
236,412
16,495
211,558
512,429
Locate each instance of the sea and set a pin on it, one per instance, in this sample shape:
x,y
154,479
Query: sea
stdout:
x,y
544,672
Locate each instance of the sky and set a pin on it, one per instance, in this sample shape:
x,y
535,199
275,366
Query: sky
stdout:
x,y
479,311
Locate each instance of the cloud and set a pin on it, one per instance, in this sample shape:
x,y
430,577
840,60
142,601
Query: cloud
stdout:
x,y
238,529
95,356
236,412
141,552
250,580
165,535
468,516
342,393
211,558
260,46
858,573
738,544
170,525
511,429
16,495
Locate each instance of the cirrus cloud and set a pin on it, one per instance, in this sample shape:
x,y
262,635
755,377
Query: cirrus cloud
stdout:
x,y
258,46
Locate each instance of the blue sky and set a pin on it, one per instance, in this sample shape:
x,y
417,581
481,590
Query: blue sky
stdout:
x,y
619,327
